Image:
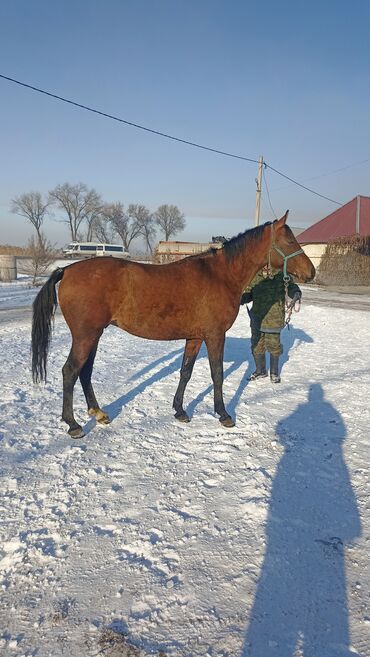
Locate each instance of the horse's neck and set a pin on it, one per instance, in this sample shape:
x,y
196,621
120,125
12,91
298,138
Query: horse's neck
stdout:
x,y
250,260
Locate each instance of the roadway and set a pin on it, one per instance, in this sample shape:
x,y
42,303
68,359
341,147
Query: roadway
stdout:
x,y
355,298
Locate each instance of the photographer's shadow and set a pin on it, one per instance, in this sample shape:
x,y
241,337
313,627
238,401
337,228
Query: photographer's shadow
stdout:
x,y
300,606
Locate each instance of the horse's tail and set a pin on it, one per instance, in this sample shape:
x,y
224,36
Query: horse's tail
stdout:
x,y
44,308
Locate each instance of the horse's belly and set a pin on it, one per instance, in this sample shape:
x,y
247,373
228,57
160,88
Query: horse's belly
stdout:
x,y
175,318
160,329
155,335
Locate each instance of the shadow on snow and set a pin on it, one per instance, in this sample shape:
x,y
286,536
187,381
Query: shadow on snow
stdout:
x,y
237,354
300,606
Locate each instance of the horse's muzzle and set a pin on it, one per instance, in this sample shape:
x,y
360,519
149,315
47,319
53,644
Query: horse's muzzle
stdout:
x,y
305,276
312,275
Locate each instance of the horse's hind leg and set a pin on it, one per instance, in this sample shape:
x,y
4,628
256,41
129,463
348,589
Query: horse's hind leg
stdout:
x,y
79,354
85,379
190,353
215,348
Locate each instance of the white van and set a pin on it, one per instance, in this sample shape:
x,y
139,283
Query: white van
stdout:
x,y
88,249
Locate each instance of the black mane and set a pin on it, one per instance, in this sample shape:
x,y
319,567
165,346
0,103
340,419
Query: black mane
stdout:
x,y
231,247
238,243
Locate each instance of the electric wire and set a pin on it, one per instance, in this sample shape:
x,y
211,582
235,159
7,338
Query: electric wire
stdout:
x,y
130,123
268,193
348,166
163,134
303,186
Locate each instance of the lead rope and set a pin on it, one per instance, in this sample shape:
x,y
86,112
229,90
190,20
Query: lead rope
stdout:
x,y
290,304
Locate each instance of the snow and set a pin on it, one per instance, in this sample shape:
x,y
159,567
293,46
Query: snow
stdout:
x,y
17,294
193,540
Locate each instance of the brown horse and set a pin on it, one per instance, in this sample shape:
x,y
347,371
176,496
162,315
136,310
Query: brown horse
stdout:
x,y
196,299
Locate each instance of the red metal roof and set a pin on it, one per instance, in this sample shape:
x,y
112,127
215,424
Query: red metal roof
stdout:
x,y
351,218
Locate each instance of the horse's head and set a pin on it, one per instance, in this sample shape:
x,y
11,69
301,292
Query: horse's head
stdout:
x,y
287,254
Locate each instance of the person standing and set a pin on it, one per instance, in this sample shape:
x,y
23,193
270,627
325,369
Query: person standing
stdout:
x,y
267,317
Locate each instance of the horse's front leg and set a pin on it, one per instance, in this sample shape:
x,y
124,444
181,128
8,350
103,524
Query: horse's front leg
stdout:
x,y
190,353
215,347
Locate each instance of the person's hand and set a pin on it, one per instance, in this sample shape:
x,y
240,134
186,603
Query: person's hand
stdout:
x,y
246,297
297,296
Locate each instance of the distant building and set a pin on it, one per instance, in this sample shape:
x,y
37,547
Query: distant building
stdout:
x,y
296,231
170,251
353,218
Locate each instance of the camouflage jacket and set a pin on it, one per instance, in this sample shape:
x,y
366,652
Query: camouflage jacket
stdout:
x,y
268,297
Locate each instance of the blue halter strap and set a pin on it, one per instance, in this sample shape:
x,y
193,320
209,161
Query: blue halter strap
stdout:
x,y
286,258
282,254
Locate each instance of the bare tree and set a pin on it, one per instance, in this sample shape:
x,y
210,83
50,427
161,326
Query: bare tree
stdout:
x,y
103,232
42,254
80,205
94,219
102,228
145,222
124,225
170,220
33,208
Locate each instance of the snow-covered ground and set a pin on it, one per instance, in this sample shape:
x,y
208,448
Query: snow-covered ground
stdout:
x,y
17,294
188,540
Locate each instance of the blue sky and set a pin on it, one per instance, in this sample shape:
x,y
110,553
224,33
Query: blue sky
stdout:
x,y
288,80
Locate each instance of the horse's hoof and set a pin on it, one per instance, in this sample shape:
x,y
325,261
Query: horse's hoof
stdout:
x,y
182,417
227,421
99,415
104,420
76,433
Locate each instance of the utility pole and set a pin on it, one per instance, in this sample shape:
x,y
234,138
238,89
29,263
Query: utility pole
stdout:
x,y
258,191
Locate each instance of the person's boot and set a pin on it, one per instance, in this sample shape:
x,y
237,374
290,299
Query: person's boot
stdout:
x,y
260,371
274,369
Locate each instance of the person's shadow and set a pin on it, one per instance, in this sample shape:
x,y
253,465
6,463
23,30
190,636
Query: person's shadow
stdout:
x,y
300,606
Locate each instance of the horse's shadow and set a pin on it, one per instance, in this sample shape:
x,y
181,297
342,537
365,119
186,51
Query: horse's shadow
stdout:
x,y
237,354
114,408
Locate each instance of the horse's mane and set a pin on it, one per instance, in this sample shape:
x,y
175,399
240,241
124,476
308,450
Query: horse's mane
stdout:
x,y
238,243
234,245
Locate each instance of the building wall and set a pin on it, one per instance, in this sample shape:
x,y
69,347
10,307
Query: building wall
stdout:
x,y
314,252
169,251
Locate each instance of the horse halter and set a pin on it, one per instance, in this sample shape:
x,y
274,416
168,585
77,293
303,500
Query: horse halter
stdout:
x,y
285,258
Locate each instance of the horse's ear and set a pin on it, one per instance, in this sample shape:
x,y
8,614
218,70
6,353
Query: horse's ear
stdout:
x,y
280,222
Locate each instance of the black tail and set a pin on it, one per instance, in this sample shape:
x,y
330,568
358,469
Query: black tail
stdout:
x,y
44,308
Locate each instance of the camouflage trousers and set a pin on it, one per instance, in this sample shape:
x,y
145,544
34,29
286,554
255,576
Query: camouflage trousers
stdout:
x,y
262,342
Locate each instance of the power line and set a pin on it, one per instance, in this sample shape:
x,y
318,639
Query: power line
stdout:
x,y
331,173
162,134
134,125
303,186
268,193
